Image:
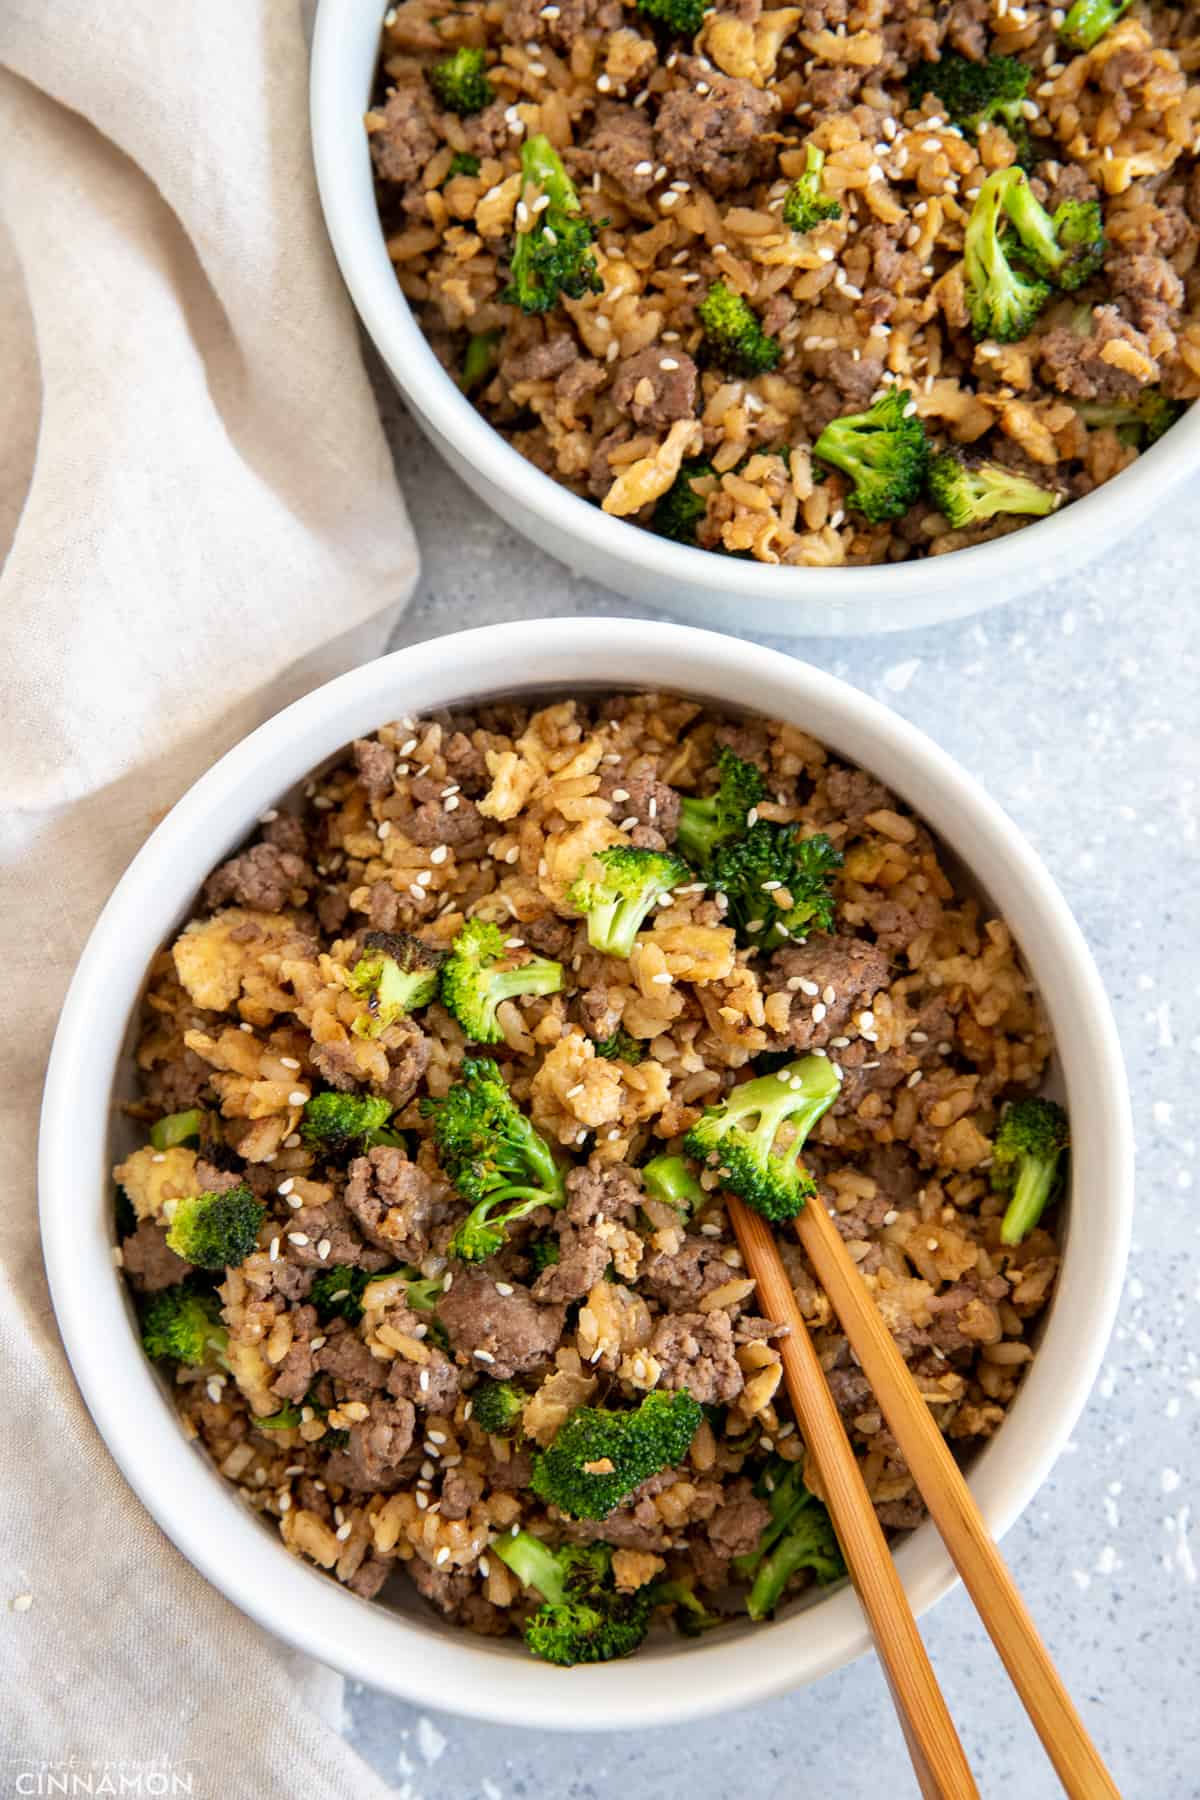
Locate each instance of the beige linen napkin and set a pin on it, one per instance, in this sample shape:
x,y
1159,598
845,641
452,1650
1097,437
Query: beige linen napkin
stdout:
x,y
201,520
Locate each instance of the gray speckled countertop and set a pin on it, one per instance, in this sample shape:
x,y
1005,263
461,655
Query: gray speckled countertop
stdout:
x,y
1078,709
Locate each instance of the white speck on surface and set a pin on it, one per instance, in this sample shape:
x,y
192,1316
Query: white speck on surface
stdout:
x,y
1171,1409
22,1602
1170,1480
489,1790
1162,1017
1106,1562
1182,1558
897,678
1082,1579
1112,1513
1162,1112
430,1741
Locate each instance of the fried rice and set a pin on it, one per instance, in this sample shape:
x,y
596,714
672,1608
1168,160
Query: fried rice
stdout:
x,y
683,152
356,1441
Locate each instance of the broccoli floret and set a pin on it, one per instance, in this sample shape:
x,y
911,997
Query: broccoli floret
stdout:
x,y
679,511
1003,301
620,1047
493,1156
479,359
598,1457
669,1179
584,1619
177,1128
689,1612
497,1406
184,1322
967,493
738,1137
544,1252
334,1122
1141,420
216,1230
1088,20
799,1536
1064,249
882,451
338,1292
1026,1163
777,884
395,974
805,206
479,973
733,336
683,17
460,81
422,1294
553,256
618,889
972,94
705,823
462,163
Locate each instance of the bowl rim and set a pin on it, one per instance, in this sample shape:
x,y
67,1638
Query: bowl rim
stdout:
x,y
438,1666
343,168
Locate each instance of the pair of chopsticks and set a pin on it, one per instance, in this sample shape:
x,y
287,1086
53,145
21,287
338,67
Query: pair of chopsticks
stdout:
x,y
937,1755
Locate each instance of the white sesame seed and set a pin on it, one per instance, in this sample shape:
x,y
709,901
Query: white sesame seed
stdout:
x,y
297,1097
838,1043
819,1011
299,1238
483,1356
664,978
273,1252
504,1288
574,1092
866,1019
643,168
422,1500
285,1503
323,1249
914,1079
829,994
245,1027
160,1156
452,803
289,1062
603,84
630,823
710,1230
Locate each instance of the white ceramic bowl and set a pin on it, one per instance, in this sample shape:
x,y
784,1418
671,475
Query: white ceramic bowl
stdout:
x,y
708,589
409,1652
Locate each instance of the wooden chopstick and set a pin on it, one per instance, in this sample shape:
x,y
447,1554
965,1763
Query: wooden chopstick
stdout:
x,y
937,1756
954,1512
